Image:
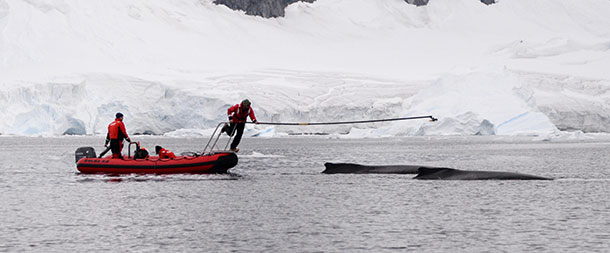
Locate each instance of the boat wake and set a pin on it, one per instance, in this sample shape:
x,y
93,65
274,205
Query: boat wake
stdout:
x,y
255,154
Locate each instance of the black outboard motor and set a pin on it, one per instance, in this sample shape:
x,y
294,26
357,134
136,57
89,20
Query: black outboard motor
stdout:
x,y
84,152
140,154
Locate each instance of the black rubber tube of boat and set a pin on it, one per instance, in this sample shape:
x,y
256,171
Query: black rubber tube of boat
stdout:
x,y
344,122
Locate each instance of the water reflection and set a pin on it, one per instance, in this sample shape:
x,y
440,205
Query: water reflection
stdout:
x,y
88,178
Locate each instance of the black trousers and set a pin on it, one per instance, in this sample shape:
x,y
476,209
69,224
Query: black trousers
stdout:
x,y
116,146
239,131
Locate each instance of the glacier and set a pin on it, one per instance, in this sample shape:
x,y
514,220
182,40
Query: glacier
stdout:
x,y
516,67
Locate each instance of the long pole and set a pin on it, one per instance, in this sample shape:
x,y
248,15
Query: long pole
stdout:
x,y
344,122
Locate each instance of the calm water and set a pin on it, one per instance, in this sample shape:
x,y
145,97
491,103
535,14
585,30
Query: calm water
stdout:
x,y
277,200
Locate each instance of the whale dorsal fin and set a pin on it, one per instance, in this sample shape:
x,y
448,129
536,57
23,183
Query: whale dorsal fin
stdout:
x,y
422,171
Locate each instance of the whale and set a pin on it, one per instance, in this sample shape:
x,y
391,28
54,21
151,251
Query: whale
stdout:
x,y
426,172
454,174
352,168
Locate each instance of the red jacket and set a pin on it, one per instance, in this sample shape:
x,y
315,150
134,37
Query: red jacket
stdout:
x,y
164,153
240,115
116,130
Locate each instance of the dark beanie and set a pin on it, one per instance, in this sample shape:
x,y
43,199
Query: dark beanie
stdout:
x,y
119,115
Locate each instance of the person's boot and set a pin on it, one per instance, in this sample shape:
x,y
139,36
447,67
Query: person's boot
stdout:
x,y
225,129
235,150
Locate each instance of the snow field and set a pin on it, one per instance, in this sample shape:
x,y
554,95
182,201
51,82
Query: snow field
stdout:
x,y
518,67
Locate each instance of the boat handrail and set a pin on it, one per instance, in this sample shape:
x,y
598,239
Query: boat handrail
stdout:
x,y
215,137
129,148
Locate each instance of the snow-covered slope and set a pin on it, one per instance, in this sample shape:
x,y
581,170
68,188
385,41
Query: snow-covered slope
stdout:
x,y
515,67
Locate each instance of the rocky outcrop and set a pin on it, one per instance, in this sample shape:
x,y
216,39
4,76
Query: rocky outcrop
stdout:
x,y
424,2
263,8
418,2
275,8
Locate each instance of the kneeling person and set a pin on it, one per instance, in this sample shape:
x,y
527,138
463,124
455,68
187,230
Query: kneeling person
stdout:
x,y
164,153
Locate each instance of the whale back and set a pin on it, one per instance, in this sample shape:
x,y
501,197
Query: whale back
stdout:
x,y
434,173
453,174
425,172
352,168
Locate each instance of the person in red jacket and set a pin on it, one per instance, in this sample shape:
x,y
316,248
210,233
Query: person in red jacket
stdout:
x,y
164,153
238,114
115,136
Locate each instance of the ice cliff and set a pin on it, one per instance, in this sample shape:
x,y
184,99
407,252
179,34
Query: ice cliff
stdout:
x,y
514,67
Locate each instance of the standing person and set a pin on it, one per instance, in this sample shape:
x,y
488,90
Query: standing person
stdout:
x,y
238,114
115,136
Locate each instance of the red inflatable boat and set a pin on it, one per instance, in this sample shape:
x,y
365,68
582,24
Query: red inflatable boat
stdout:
x,y
212,160
218,162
